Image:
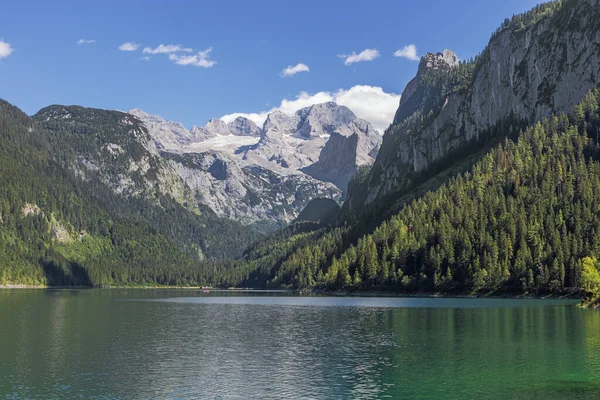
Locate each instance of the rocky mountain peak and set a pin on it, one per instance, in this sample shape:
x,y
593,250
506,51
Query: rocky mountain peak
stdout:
x,y
200,134
349,146
315,118
443,61
437,61
165,134
242,126
539,63
217,127
295,142
138,112
279,123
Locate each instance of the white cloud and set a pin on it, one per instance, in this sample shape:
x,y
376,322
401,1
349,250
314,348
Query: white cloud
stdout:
x,y
129,46
180,55
370,103
293,70
166,49
409,52
146,58
367,102
304,99
365,55
258,118
200,59
5,49
86,41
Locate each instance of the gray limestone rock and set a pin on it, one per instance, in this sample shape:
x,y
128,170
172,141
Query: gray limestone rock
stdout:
x,y
524,75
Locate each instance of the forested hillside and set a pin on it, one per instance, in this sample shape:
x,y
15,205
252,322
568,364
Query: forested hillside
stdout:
x,y
526,218
469,193
108,151
537,63
56,229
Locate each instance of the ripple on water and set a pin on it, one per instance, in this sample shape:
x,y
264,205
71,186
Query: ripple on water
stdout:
x,y
119,345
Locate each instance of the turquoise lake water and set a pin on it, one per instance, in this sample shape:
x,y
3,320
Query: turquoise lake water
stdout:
x,y
130,344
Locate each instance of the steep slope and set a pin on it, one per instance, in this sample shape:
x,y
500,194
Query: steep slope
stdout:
x,y
319,210
535,64
263,198
348,148
523,219
54,230
452,202
296,142
166,134
110,149
258,193
243,127
265,177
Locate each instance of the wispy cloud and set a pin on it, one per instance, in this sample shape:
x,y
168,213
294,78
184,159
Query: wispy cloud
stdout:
x,y
370,103
200,59
180,55
365,55
129,46
167,49
146,58
5,49
293,70
409,52
86,41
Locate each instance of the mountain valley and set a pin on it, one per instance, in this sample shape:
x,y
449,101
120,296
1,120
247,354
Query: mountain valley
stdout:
x,y
319,199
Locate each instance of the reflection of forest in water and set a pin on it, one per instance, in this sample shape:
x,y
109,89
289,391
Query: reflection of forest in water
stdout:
x,y
97,343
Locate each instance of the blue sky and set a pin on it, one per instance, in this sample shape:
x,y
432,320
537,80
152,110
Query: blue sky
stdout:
x,y
251,43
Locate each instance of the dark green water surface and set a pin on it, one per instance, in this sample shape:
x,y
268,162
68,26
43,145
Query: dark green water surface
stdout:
x,y
130,344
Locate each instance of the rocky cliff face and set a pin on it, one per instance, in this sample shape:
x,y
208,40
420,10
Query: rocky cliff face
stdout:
x,y
169,135
298,141
117,149
166,134
243,127
317,120
536,64
443,62
348,148
265,177
241,172
251,194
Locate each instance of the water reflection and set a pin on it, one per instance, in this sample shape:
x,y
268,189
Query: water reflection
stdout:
x,y
116,344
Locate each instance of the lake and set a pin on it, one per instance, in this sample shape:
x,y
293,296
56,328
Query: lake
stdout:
x,y
142,343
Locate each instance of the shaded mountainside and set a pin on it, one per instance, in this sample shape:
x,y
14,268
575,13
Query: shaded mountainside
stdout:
x,y
523,219
55,231
111,149
319,210
537,63
250,194
347,149
459,198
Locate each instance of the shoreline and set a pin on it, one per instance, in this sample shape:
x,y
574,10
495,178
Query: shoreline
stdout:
x,y
22,286
11,286
365,293
429,295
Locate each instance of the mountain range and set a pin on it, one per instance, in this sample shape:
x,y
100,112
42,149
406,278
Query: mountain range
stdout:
x,y
206,193
486,180
265,176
